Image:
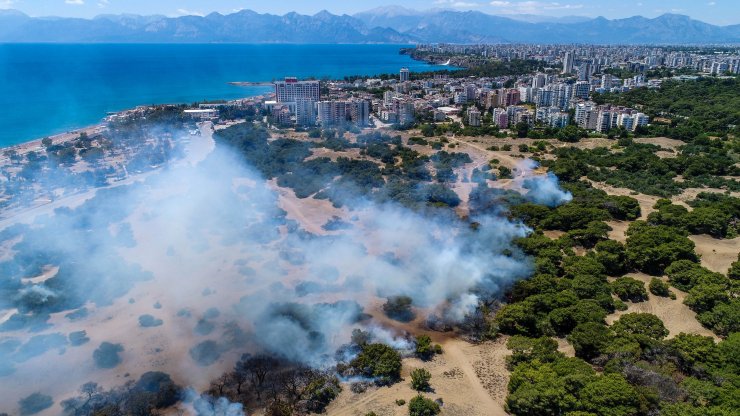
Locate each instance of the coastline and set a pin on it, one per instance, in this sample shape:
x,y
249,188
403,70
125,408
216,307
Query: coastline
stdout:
x,y
35,144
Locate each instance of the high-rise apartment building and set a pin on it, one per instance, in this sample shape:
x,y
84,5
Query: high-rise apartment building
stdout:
x,y
405,75
290,89
474,117
581,89
332,113
360,112
305,112
568,62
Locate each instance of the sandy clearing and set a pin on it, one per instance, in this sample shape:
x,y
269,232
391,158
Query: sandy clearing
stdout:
x,y
554,234
676,316
464,377
716,255
664,142
504,158
619,228
311,213
565,347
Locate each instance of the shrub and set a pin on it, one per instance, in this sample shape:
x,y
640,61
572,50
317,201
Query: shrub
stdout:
x,y
148,321
424,348
658,287
35,403
106,356
399,308
205,353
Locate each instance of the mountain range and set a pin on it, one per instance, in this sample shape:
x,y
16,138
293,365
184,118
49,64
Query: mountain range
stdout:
x,y
382,25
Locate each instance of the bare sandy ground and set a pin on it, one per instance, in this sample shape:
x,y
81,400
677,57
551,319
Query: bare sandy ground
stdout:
x,y
676,316
663,142
311,213
618,230
716,255
565,347
470,379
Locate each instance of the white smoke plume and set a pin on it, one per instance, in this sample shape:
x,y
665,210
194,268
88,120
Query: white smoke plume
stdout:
x,y
207,250
543,189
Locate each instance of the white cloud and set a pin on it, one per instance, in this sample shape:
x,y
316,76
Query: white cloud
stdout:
x,y
6,4
75,2
531,7
456,4
185,12
711,3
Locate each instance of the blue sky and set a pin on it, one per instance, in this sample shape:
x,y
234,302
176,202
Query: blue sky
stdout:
x,y
722,12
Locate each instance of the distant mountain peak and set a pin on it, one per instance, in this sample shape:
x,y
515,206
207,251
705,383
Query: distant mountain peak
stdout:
x,y
392,11
12,13
389,24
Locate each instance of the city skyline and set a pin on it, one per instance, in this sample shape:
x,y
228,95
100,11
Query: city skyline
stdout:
x,y
719,12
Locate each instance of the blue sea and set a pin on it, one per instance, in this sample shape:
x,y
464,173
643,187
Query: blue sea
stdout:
x,y
47,89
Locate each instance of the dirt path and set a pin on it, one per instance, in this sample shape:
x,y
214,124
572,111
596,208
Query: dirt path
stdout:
x,y
454,349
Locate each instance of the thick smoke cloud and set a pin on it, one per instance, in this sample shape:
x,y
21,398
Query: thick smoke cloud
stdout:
x,y
213,235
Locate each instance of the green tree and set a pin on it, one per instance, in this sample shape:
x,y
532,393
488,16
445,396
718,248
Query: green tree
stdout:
x,y
613,256
420,379
421,406
517,318
564,320
594,232
589,339
378,361
628,288
622,207
694,351
708,220
610,395
641,324
424,347
685,274
399,308
653,248
724,319
523,349
705,297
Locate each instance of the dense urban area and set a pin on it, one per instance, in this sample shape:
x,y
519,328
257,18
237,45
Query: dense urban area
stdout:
x,y
620,163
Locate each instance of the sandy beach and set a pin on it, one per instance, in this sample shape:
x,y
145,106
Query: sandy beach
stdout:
x,y
35,145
